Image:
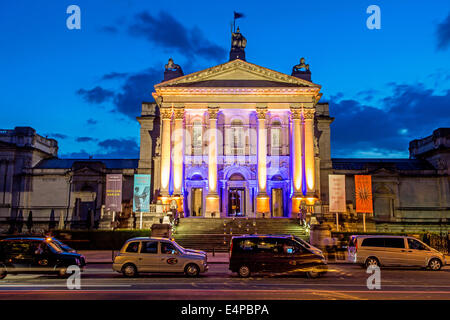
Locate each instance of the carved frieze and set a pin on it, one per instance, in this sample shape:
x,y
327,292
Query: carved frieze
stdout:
x,y
213,112
261,112
308,114
166,113
179,112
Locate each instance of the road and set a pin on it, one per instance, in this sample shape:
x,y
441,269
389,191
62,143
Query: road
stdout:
x,y
343,281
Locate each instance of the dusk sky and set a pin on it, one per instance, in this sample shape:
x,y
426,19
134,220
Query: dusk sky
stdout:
x,y
85,87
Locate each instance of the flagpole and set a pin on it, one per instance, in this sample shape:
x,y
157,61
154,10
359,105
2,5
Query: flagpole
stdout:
x,y
364,221
337,221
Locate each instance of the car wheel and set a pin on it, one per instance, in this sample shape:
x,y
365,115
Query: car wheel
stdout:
x,y
435,264
129,270
314,273
192,270
372,261
244,271
62,272
3,272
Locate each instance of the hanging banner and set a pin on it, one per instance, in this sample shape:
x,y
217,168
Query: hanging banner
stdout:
x,y
336,184
113,199
141,194
363,193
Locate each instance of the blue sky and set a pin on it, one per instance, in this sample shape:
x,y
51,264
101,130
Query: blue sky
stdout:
x,y
84,87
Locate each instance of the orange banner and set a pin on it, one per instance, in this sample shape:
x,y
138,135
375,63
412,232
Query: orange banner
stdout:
x,y
363,193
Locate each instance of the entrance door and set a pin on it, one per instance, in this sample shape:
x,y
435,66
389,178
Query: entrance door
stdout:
x,y
149,258
277,202
197,202
236,202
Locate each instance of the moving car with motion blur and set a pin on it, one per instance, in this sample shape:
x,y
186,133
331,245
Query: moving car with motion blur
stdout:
x,y
63,246
36,255
391,251
275,254
158,255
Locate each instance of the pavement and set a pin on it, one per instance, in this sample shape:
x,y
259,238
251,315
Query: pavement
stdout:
x,y
106,256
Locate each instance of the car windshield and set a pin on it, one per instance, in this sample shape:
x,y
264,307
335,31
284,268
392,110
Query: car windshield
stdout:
x,y
178,246
306,244
54,247
61,244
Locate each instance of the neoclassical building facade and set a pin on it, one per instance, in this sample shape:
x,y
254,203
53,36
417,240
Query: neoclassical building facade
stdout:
x,y
238,139
233,140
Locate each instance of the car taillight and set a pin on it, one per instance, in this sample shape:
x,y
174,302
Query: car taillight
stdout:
x,y
231,247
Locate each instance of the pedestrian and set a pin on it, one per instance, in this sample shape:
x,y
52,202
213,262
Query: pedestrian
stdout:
x,y
427,238
173,209
342,246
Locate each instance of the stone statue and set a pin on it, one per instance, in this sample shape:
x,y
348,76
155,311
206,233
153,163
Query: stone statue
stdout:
x,y
300,66
158,147
172,66
238,41
172,71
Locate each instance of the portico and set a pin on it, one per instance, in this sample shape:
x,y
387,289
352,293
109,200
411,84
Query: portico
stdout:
x,y
247,132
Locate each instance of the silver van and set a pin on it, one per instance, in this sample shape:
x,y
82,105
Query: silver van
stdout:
x,y
155,255
393,251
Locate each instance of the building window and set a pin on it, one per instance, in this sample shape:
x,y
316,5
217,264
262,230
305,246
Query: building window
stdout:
x,y
197,138
275,138
237,138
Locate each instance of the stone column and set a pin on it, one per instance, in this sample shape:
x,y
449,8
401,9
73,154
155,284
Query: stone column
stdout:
x,y
178,151
310,171
212,200
262,200
297,157
166,115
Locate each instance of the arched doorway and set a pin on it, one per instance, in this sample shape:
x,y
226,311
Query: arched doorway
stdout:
x,y
277,205
197,198
237,196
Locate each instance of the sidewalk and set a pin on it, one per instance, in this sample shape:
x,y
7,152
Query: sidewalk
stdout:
x,y
105,257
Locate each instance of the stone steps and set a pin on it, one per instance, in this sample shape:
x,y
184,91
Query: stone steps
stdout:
x,y
215,234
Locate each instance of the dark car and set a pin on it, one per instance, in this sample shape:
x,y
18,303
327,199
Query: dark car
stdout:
x,y
274,254
36,255
63,246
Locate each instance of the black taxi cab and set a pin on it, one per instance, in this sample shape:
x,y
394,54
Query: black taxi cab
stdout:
x,y
36,255
274,254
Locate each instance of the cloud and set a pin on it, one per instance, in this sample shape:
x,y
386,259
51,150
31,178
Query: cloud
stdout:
x,y
114,75
166,32
118,148
443,34
136,89
109,149
95,95
82,154
85,139
409,112
57,136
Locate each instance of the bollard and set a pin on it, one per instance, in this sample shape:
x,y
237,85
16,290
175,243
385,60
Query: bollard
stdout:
x,y
214,252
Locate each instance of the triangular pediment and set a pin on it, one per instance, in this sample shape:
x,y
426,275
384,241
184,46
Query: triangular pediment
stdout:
x,y
384,172
237,73
86,171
